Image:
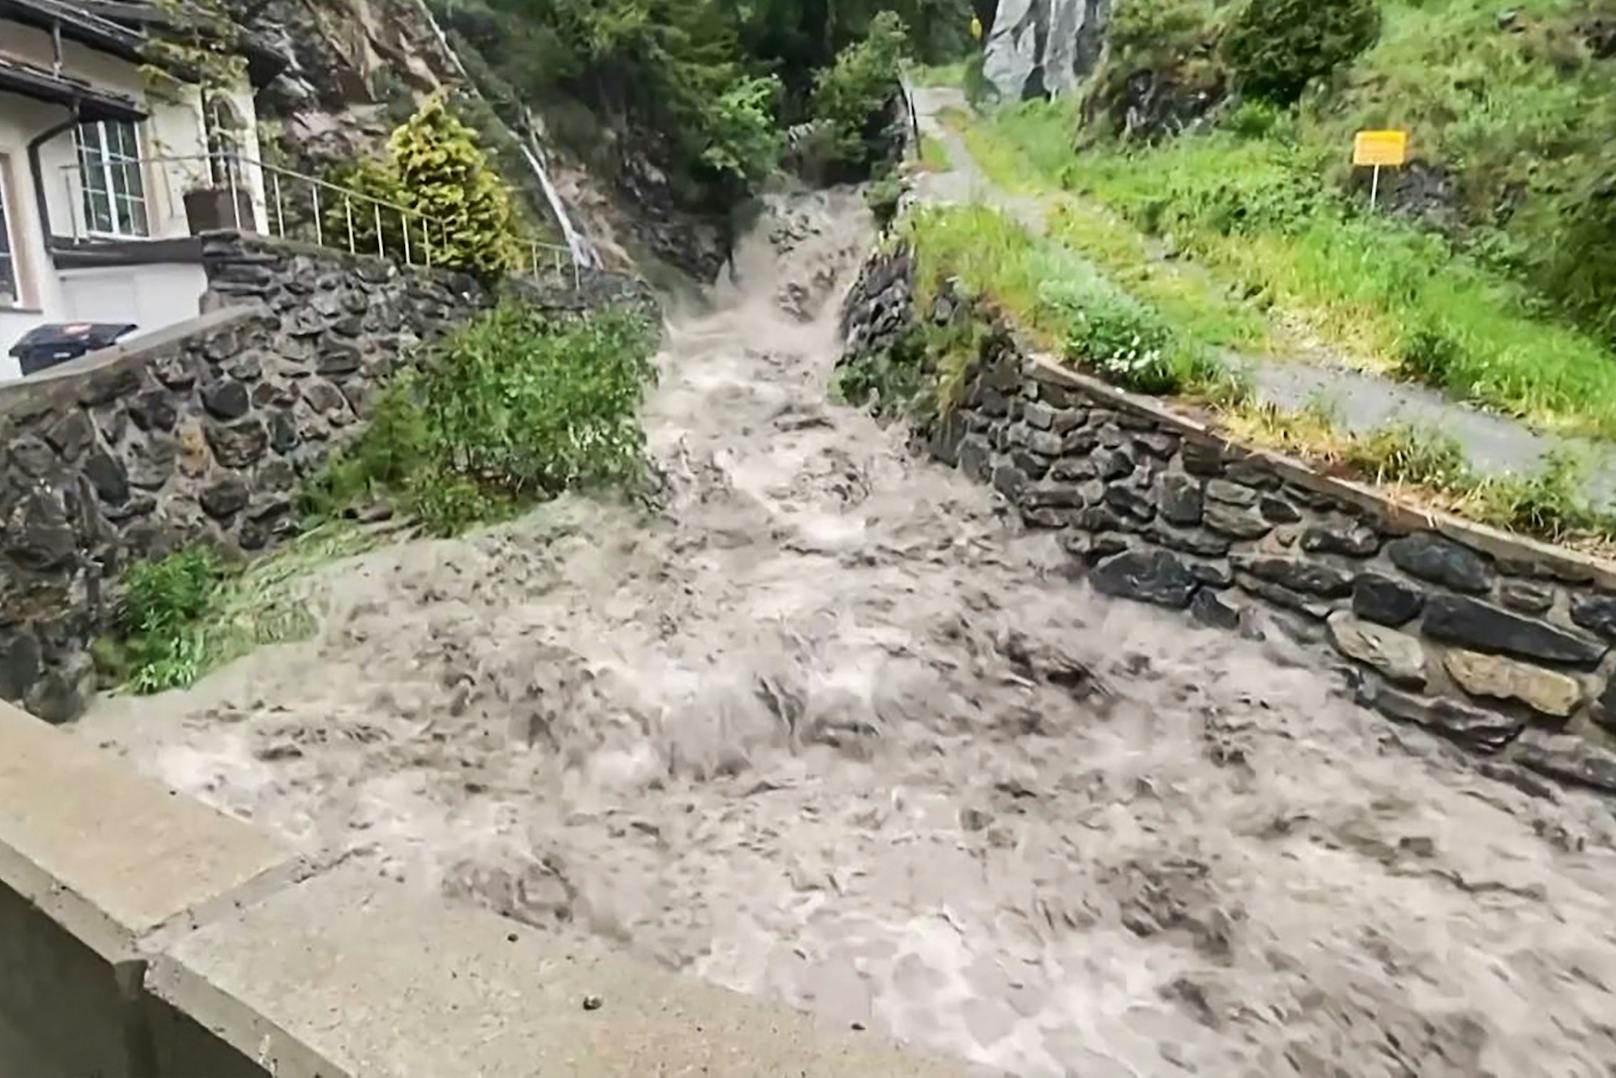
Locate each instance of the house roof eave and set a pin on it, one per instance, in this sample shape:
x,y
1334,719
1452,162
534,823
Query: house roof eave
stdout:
x,y
77,24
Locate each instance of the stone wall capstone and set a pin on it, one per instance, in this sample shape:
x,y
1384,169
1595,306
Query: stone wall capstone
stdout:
x,y
1501,643
204,431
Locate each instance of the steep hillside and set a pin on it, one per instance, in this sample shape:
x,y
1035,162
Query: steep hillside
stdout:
x,y
1509,112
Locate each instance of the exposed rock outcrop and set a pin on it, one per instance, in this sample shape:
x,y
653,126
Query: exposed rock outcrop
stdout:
x,y
1041,48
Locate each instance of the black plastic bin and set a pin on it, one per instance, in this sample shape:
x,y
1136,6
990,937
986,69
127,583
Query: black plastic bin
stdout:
x,y
45,346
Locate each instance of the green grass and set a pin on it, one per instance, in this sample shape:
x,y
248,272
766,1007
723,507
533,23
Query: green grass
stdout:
x,y
189,613
1431,467
934,155
951,74
512,409
1059,299
1257,216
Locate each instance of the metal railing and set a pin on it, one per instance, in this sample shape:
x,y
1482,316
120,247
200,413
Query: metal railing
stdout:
x,y
293,205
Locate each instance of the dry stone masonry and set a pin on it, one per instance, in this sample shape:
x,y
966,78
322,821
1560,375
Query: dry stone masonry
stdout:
x,y
1500,643
204,432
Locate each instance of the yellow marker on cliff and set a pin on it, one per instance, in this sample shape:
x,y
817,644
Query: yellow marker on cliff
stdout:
x,y
976,28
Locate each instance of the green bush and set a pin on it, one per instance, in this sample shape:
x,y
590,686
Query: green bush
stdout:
x,y
162,603
1580,270
1275,47
435,169
851,97
742,141
510,410
1120,338
883,197
444,175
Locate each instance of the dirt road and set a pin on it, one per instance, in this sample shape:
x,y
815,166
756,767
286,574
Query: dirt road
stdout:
x,y
825,726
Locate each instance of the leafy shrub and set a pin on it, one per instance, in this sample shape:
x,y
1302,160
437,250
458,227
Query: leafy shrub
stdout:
x,y
1148,31
162,603
512,409
1580,274
436,169
1275,47
1120,338
889,382
883,197
742,141
851,97
444,175
1255,118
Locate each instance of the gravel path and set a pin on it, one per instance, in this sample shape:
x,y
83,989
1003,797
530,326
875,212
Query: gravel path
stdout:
x,y
825,726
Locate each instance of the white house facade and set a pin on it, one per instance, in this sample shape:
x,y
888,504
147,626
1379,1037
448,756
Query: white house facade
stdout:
x,y
98,155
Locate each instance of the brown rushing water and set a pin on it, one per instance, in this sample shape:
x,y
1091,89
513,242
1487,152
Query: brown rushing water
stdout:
x,y
827,727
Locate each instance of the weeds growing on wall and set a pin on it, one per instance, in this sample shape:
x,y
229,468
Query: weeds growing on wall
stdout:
x,y
1548,503
510,410
1061,300
190,612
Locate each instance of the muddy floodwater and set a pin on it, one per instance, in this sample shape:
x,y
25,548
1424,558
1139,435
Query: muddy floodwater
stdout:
x,y
820,722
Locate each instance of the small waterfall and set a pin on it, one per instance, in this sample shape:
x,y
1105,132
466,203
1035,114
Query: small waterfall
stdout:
x,y
582,250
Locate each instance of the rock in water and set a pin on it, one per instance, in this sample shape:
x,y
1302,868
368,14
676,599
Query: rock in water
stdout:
x,y
1043,47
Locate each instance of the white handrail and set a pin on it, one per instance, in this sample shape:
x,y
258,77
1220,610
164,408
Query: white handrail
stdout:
x,y
276,194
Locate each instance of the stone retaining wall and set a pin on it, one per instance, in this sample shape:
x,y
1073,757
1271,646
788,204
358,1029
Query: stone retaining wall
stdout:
x,y
1501,643
202,432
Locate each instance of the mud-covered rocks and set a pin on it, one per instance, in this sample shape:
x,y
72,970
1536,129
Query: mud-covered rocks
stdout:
x,y
1396,655
1151,576
1486,730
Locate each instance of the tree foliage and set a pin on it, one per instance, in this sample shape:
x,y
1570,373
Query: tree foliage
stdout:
x,y
1275,47
435,170
700,87
851,97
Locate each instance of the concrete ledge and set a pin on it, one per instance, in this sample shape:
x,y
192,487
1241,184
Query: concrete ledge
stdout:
x,y
98,865
109,855
349,975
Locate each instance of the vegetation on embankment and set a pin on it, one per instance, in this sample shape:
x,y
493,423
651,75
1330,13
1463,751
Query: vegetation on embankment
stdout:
x,y
1046,287
1251,207
192,611
511,410
701,89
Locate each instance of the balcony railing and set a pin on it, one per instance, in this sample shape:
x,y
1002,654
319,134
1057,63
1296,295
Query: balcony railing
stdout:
x,y
269,200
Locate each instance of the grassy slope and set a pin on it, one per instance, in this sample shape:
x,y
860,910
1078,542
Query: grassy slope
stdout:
x,y
1261,206
1276,253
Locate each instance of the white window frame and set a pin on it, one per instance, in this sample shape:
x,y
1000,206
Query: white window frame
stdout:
x,y
8,233
110,192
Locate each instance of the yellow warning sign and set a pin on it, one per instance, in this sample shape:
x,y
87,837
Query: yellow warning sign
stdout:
x,y
1380,148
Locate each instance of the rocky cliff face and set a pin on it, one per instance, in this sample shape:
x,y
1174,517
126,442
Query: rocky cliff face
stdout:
x,y
357,68
1041,48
